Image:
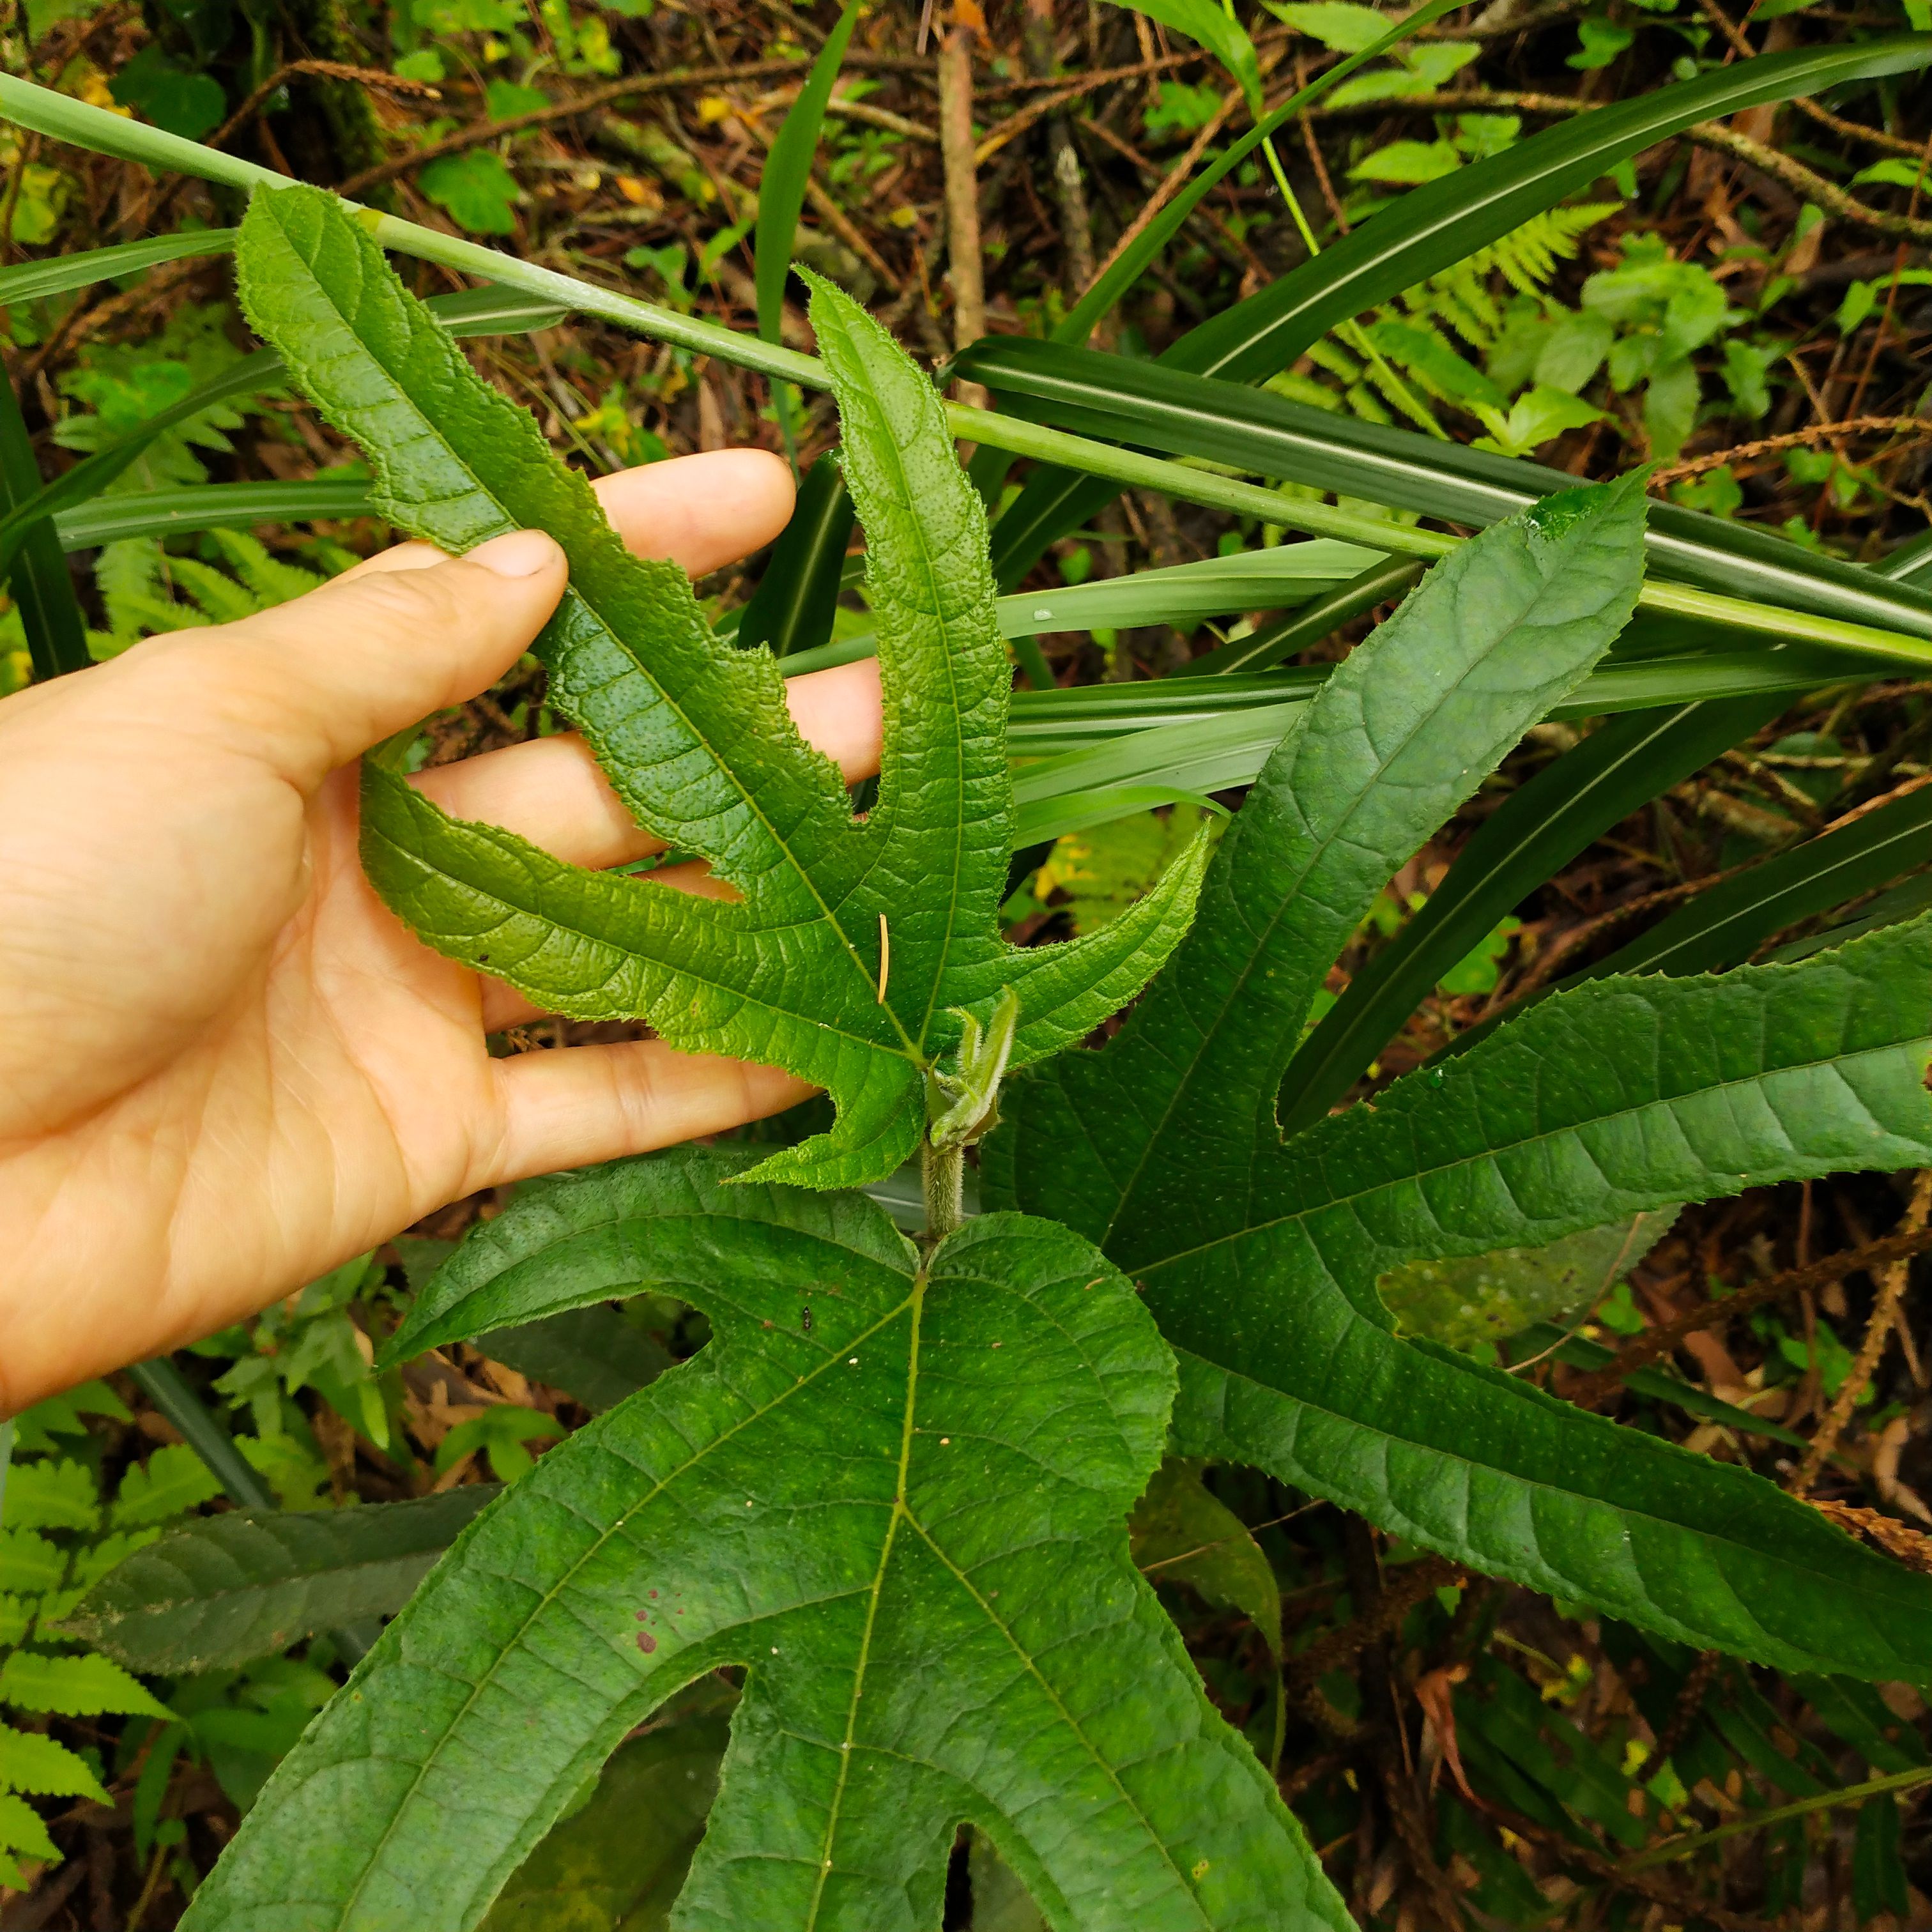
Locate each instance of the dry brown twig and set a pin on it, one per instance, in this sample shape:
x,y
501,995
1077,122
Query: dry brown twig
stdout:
x,y
1654,1343
1892,1283
1768,446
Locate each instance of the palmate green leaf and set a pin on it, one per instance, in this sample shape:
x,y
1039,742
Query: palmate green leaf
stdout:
x,y
895,1497
854,946
227,1589
1623,1096
1400,734
1260,1259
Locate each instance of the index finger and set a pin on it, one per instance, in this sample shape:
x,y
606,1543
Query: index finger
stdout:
x,y
702,511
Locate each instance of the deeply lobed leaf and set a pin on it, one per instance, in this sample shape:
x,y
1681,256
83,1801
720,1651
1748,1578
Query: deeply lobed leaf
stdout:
x,y
1261,1260
851,945
895,1495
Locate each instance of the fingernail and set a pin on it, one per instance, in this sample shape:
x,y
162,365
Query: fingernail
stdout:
x,y
516,554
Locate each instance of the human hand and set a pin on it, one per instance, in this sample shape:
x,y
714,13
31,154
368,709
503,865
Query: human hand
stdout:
x,y
225,1066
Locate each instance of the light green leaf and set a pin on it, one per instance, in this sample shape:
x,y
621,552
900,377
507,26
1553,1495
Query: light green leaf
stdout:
x,y
172,1480
1217,30
53,1493
696,738
228,1589
73,1687
477,189
30,1761
29,1565
1398,735
1261,1259
895,1496
22,1829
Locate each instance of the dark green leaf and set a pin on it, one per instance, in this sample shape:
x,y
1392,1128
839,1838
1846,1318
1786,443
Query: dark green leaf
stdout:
x,y
793,608
1620,1096
1537,830
226,1589
1729,922
40,583
839,963
902,1516
1878,1881
1401,733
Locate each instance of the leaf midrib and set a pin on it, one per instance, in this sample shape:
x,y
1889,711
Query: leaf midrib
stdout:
x,y
1416,1176
685,970
1542,1484
400,394
1370,789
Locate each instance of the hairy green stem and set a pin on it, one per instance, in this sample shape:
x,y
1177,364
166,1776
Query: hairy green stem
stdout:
x,y
65,119
944,1172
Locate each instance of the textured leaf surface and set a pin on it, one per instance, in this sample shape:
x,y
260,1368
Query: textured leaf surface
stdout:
x,y
1624,1095
230,1589
1536,831
849,943
1261,1260
897,1499
1181,1105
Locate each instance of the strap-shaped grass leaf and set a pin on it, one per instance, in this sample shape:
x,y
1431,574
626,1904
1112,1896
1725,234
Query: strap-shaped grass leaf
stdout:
x,y
1622,1096
227,1589
1181,1105
1433,226
1153,406
896,1498
851,942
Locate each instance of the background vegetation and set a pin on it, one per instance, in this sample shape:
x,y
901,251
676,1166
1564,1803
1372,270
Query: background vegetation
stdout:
x,y
1745,307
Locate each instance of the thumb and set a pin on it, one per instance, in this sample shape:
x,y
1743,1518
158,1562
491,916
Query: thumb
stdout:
x,y
317,681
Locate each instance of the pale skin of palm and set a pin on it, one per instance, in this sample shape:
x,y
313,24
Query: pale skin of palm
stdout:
x,y
225,1066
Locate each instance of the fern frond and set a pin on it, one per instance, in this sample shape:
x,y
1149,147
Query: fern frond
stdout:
x,y
1460,297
